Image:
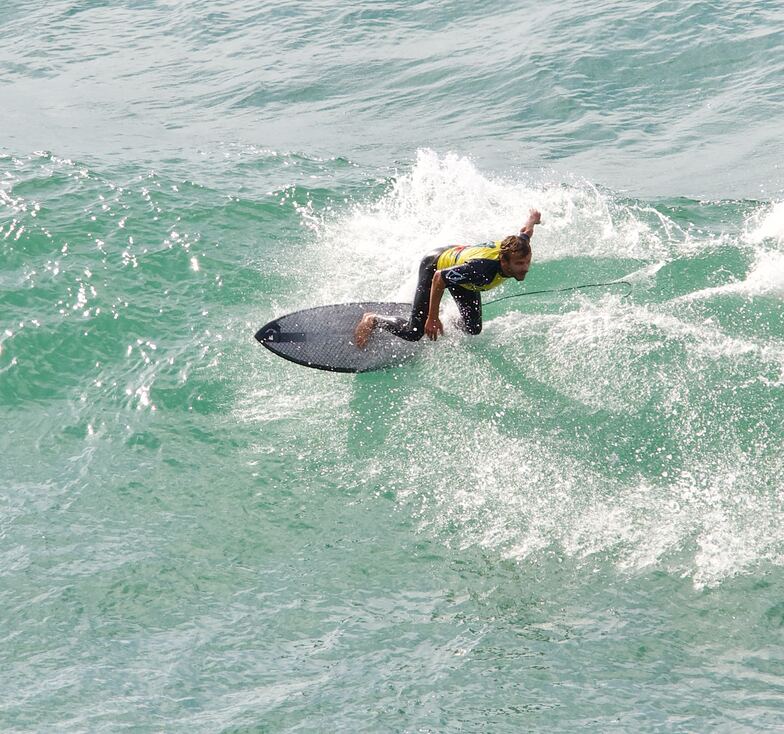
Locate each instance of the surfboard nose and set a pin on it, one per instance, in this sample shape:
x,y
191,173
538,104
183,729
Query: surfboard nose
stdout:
x,y
268,333
272,333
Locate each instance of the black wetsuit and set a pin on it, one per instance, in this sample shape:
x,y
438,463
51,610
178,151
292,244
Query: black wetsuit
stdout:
x,y
464,281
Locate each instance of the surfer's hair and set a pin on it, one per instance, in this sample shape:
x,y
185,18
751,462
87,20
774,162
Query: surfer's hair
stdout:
x,y
516,244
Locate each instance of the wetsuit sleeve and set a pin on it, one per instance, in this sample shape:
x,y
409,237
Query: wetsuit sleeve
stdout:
x,y
475,272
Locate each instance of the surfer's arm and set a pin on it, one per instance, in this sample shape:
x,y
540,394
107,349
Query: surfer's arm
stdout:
x,y
534,218
433,326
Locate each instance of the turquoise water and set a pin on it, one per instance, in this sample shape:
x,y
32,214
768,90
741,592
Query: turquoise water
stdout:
x,y
571,522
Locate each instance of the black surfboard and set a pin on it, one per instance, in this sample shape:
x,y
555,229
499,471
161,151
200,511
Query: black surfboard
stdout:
x,y
323,338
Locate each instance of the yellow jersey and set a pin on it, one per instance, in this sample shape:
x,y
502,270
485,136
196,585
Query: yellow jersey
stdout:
x,y
473,267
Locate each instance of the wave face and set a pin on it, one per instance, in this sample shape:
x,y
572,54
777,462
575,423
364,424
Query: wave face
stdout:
x,y
641,428
572,521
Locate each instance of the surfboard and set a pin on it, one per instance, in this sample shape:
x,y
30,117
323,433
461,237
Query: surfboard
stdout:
x,y
323,338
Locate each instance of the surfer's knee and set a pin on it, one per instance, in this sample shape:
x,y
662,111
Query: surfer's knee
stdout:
x,y
472,328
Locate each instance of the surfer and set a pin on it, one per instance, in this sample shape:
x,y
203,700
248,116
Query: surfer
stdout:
x,y
464,271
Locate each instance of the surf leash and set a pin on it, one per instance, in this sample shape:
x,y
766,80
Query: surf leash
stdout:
x,y
625,283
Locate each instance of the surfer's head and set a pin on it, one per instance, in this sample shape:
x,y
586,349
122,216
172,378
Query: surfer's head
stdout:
x,y
516,256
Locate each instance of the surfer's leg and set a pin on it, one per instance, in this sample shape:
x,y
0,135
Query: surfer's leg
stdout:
x,y
469,303
414,328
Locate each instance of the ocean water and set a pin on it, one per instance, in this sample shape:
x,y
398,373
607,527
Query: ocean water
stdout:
x,y
571,522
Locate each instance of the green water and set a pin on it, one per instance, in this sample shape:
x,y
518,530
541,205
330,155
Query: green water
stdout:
x,y
571,522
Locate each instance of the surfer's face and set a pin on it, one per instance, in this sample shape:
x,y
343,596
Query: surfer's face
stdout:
x,y
516,265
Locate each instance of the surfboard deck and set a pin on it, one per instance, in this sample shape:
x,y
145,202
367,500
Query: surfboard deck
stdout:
x,y
323,338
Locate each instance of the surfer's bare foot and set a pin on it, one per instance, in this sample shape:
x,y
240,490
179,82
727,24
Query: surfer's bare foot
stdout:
x,y
364,329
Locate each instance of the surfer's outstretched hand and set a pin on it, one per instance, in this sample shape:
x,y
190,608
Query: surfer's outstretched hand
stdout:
x,y
433,327
534,217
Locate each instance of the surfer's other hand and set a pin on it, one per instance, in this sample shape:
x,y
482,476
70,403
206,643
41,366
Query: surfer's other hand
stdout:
x,y
534,216
433,327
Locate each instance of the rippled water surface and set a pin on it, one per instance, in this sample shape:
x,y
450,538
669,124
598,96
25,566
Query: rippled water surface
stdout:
x,y
571,522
